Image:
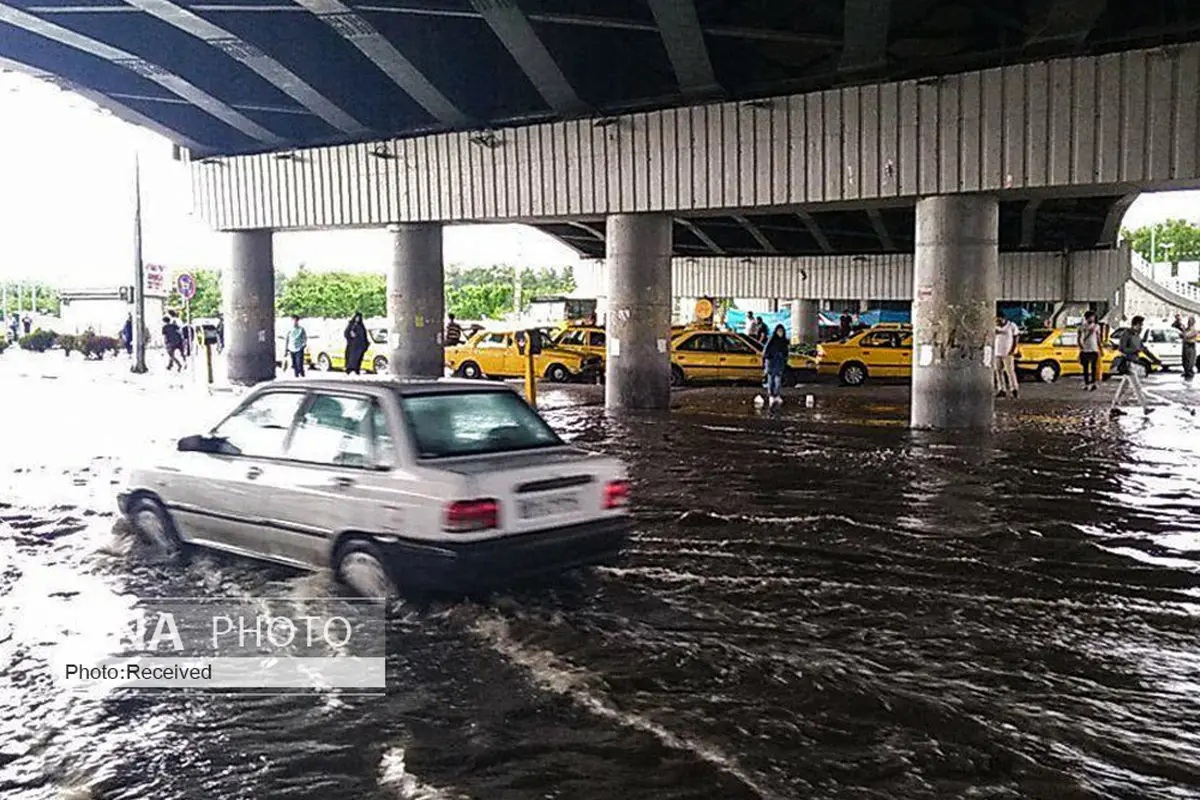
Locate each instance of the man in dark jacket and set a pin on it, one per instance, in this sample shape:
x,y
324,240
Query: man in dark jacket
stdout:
x,y
775,363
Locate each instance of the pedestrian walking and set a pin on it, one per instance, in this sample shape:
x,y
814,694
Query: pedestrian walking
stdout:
x,y
127,334
751,325
27,322
188,335
775,362
15,326
844,325
1088,336
1004,369
356,344
454,332
1132,348
1188,332
760,331
220,333
173,342
297,341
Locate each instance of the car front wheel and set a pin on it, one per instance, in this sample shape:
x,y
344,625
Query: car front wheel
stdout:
x,y
323,363
380,365
853,374
558,373
1048,371
677,376
470,370
152,522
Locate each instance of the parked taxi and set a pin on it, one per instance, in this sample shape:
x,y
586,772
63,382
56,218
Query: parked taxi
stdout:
x,y
701,355
588,339
884,351
494,354
333,357
1051,352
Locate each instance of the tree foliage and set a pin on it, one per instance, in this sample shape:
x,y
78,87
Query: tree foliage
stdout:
x,y
488,292
207,302
47,297
331,294
1176,240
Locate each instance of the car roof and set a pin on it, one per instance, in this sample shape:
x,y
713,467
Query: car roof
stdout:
x,y
399,385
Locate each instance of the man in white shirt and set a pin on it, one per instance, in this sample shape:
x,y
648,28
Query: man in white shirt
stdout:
x,y
750,325
1005,362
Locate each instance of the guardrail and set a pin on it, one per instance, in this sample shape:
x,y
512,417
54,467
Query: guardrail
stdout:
x,y
1172,290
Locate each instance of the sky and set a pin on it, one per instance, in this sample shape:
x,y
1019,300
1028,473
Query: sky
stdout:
x,y
66,205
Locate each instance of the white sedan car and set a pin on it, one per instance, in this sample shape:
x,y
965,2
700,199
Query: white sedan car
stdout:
x,y
392,484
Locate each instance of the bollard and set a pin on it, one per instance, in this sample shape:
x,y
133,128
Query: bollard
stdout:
x,y
208,359
530,378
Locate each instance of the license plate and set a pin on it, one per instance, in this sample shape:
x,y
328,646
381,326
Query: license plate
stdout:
x,y
548,506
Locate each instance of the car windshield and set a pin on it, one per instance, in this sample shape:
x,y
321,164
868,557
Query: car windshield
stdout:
x,y
474,423
1033,337
379,336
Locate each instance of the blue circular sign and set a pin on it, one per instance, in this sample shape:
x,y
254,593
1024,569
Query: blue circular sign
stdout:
x,y
186,285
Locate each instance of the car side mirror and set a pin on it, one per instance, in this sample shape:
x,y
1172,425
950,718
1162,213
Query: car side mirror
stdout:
x,y
199,444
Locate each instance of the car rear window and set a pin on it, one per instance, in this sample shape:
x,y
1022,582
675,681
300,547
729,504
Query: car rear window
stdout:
x,y
452,424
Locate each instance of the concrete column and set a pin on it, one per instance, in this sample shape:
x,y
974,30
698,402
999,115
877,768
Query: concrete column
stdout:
x,y
956,282
416,301
638,264
805,321
249,301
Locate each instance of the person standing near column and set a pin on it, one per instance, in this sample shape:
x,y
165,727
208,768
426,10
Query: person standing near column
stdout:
x,y
1189,349
1006,356
1088,335
356,344
775,362
297,341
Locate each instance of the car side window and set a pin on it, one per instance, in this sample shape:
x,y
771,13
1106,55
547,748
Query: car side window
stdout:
x,y
494,340
878,340
1069,339
597,339
701,343
1172,336
260,429
333,430
735,345
573,337
385,443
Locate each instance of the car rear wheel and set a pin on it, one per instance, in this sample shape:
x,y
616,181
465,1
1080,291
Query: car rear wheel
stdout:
x,y
380,365
1048,371
361,566
323,363
558,373
853,374
153,524
677,376
470,370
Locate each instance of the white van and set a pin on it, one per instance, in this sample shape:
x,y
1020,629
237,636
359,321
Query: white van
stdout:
x,y
1165,342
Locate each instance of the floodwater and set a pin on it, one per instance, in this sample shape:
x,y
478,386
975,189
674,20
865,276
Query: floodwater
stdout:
x,y
818,604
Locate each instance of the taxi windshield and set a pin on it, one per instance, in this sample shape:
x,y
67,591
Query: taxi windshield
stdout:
x,y
451,424
1033,337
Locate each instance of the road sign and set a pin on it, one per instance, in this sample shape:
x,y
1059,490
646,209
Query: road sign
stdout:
x,y
186,285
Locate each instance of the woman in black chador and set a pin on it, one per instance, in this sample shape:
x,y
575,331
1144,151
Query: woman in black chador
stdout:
x,y
356,344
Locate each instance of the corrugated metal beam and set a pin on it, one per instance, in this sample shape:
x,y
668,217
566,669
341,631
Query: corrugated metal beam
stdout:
x,y
1112,221
517,35
1029,223
138,65
701,235
372,44
758,235
247,54
583,226
865,26
1063,20
679,25
813,228
118,110
885,238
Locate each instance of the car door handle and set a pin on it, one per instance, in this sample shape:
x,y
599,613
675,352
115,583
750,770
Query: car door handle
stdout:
x,y
342,482
253,473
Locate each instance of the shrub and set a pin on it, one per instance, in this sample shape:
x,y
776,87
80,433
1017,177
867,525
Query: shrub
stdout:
x,y
93,346
38,342
3,343
69,343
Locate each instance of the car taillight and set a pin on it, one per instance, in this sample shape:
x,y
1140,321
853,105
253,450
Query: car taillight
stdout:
x,y
616,494
470,516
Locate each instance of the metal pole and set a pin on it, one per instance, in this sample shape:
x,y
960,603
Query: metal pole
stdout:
x,y
33,299
139,274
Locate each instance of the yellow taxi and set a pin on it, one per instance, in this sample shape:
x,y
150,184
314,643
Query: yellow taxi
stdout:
x,y
494,354
587,339
1051,352
704,355
374,360
884,351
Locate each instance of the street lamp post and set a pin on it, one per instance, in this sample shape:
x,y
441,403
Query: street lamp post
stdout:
x,y
139,275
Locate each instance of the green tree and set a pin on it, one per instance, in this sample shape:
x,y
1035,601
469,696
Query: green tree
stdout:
x,y
1176,240
207,302
487,292
47,297
331,294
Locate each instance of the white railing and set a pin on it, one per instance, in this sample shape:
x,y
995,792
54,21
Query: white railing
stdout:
x,y
1184,289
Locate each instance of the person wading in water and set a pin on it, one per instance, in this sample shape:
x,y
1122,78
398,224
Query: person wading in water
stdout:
x,y
356,344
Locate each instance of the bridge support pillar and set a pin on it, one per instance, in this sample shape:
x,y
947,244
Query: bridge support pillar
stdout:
x,y
249,308
638,267
956,281
416,301
805,320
